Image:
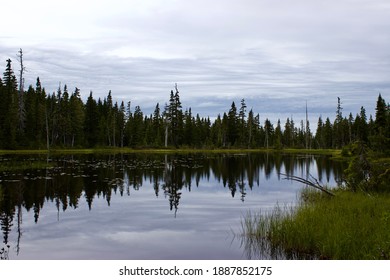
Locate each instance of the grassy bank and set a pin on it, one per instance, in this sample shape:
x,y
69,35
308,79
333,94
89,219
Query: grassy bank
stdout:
x,y
333,153
346,226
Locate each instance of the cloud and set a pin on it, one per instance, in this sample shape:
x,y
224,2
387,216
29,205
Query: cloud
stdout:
x,y
218,52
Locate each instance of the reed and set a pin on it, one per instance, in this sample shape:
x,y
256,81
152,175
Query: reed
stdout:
x,y
353,226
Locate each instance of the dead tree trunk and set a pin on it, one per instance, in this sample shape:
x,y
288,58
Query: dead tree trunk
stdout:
x,y
315,184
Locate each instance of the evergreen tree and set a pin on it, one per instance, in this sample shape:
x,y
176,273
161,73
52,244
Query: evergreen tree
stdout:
x,y
61,118
121,123
91,122
2,115
102,122
287,133
31,116
338,126
232,125
269,134
110,120
9,108
174,117
77,118
360,126
189,129
278,136
217,132
258,141
380,116
320,135
380,141
138,127
242,124
66,121
158,128
328,134
52,116
351,134
251,129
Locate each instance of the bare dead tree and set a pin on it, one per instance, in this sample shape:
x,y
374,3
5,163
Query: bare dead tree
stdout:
x,y
313,182
22,113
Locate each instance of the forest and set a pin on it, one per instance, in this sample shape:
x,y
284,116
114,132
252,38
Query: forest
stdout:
x,y
33,119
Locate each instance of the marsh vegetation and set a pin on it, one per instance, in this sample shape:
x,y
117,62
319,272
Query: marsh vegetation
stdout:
x,y
353,223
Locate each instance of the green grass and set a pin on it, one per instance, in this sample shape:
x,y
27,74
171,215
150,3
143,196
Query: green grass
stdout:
x,y
333,153
352,226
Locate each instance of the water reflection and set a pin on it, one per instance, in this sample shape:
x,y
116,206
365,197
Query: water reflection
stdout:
x,y
69,181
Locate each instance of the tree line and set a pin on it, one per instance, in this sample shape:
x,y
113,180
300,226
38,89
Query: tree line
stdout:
x,y
34,119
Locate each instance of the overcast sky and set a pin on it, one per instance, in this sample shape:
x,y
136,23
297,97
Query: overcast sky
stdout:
x,y
277,54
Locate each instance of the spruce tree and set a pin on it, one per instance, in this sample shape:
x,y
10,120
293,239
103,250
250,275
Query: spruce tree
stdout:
x,y
319,137
232,125
10,105
380,115
338,126
242,123
77,116
174,117
158,128
91,121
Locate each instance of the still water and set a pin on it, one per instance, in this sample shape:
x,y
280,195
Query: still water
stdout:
x,y
143,206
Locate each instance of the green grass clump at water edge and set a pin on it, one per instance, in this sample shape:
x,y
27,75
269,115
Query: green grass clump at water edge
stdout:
x,y
353,226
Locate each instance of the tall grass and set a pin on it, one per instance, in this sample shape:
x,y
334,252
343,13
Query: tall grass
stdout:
x,y
347,226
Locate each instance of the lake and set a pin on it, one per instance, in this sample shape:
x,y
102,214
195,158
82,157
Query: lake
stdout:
x,y
144,206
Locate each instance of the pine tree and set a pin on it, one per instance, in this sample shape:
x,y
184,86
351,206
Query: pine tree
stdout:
x,y
380,116
189,128
251,129
287,133
102,122
338,126
360,126
278,136
3,106
64,119
328,134
138,128
121,122
242,123
232,125
31,116
9,108
351,133
91,121
320,135
217,133
174,117
40,109
110,121
77,118
380,141
158,128
269,134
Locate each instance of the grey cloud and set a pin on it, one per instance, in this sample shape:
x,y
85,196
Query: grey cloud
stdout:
x,y
275,58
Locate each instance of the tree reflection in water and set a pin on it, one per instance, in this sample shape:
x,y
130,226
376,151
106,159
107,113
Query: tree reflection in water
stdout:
x,y
69,179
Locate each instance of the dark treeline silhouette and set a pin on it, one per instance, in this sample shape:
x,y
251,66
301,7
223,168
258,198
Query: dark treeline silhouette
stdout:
x,y
34,119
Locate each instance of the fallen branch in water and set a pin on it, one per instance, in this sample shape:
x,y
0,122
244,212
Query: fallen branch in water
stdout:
x,y
314,183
